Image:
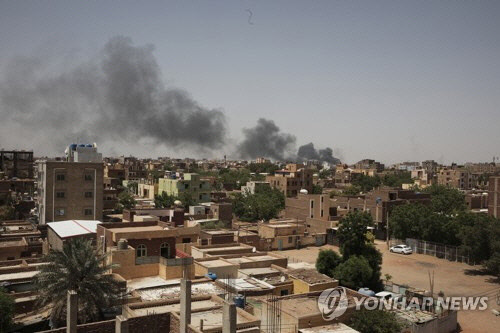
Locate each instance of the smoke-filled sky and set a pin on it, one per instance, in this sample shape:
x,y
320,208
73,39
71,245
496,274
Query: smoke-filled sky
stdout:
x,y
388,80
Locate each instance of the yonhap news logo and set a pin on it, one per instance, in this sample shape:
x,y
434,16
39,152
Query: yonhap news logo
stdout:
x,y
333,302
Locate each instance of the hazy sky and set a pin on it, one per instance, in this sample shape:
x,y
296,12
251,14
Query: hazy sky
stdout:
x,y
389,80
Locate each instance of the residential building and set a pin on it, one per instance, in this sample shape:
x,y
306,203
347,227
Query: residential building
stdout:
x,y
494,197
253,186
70,190
190,183
16,163
59,232
292,179
458,178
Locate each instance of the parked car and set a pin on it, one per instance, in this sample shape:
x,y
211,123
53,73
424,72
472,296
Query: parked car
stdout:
x,y
404,249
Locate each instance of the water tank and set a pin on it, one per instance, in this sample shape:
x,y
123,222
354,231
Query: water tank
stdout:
x,y
81,145
366,291
122,244
73,146
303,191
211,276
239,301
89,145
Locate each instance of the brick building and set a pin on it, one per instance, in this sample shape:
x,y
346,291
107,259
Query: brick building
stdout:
x,y
292,179
69,191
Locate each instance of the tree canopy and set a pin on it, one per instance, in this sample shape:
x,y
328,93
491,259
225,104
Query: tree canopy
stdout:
x,y
327,261
376,321
354,273
264,205
364,270
6,310
79,267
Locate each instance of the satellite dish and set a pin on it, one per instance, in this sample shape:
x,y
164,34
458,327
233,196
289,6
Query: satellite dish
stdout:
x,y
282,279
177,203
254,249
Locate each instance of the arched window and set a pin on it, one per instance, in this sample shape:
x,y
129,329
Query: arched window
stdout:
x,y
141,251
165,250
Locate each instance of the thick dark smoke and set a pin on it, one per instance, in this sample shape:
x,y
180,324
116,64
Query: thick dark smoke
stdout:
x,y
308,152
266,140
117,96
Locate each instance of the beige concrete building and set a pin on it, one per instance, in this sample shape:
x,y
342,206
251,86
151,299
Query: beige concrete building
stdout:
x,y
494,197
69,191
292,179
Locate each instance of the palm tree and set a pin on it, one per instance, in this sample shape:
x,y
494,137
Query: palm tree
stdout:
x,y
81,267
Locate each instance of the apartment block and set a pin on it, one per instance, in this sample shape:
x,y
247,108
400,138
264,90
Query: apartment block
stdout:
x,y
190,183
292,179
457,178
69,191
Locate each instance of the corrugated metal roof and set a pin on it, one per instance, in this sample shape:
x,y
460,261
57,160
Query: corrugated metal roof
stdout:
x,y
72,228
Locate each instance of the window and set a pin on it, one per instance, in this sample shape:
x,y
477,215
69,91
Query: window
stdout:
x,y
284,292
141,251
312,204
290,239
186,240
165,250
88,177
322,213
201,185
60,195
89,194
200,196
60,177
87,211
60,212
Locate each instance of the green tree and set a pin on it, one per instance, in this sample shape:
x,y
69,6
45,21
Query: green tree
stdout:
x,y
327,261
352,233
317,189
264,205
366,183
263,167
164,200
493,262
376,321
79,267
354,273
474,235
125,200
186,199
354,241
6,310
351,190
446,200
397,179
407,221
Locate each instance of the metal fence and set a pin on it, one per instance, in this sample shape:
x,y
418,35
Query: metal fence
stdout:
x,y
451,253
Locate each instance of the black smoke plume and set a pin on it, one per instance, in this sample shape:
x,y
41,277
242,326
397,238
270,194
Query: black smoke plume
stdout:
x,y
308,152
266,140
118,95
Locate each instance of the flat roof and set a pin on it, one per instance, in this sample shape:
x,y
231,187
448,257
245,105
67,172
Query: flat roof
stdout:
x,y
70,228
215,263
18,275
195,305
136,229
213,318
333,328
174,291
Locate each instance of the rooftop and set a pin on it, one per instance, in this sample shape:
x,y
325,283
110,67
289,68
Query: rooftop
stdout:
x,y
333,328
72,228
311,276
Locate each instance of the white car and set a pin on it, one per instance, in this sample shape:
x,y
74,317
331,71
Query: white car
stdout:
x,y
404,249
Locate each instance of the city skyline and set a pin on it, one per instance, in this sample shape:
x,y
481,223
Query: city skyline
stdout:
x,y
388,81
